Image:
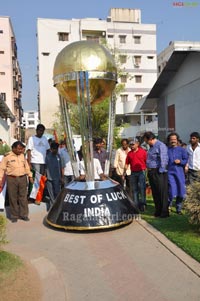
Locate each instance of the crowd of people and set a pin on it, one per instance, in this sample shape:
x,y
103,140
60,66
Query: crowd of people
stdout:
x,y
21,164
166,167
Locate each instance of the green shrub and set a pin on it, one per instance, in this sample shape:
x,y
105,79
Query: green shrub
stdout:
x,y
192,203
2,230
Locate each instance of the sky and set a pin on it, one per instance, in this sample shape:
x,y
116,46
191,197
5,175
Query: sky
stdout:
x,y
173,23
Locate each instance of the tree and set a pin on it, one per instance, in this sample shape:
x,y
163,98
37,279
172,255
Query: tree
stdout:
x,y
99,119
58,125
4,148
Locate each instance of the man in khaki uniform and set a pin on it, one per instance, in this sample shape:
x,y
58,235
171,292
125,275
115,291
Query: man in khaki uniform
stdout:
x,y
16,168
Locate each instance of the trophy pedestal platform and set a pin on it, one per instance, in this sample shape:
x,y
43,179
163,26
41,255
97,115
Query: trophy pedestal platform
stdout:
x,y
92,206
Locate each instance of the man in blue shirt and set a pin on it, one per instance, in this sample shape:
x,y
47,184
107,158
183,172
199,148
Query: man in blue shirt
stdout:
x,y
54,172
157,162
99,152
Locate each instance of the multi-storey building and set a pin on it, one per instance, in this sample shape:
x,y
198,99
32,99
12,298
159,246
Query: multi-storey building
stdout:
x,y
30,119
10,77
29,122
133,43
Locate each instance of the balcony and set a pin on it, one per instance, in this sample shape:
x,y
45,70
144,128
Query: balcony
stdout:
x,y
5,112
138,130
93,35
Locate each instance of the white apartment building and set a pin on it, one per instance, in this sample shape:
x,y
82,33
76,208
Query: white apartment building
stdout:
x,y
10,82
30,119
134,44
29,123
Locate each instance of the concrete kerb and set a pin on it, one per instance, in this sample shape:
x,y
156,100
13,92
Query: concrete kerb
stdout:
x,y
191,263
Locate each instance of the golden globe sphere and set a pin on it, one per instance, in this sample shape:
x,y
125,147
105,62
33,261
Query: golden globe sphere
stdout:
x,y
85,56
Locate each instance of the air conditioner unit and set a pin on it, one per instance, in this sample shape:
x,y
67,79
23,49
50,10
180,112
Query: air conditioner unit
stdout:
x,y
103,34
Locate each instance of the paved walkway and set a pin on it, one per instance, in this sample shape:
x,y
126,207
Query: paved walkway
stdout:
x,y
135,262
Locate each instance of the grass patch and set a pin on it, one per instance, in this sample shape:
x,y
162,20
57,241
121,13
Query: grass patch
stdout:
x,y
3,223
9,263
177,228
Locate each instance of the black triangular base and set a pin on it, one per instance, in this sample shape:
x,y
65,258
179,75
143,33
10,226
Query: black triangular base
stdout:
x,y
80,207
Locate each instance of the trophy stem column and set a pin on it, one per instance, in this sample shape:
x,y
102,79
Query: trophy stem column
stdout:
x,y
84,106
69,138
111,125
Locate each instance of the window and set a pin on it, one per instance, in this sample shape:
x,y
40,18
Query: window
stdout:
x,y
45,53
1,30
123,78
137,60
138,97
31,122
137,39
122,59
93,38
122,39
30,115
63,36
2,52
150,57
2,73
110,36
3,96
124,98
138,78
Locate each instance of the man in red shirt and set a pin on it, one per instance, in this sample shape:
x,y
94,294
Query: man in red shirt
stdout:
x,y
136,158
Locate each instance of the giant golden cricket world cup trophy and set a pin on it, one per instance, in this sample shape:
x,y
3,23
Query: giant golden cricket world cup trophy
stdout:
x,y
84,75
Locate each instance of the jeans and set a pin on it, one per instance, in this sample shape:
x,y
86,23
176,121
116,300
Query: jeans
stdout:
x,y
53,188
138,182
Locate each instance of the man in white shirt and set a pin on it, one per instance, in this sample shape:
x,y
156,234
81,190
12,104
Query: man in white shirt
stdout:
x,y
98,172
193,165
68,171
37,147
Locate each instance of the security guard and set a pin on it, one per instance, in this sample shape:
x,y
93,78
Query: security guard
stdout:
x,y
16,168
